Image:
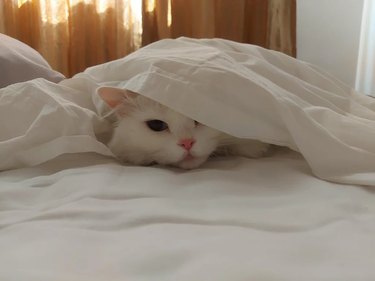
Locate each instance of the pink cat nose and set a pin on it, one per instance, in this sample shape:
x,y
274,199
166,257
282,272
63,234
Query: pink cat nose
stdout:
x,y
186,143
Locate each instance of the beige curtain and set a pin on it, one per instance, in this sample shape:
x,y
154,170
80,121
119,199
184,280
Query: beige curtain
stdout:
x,y
75,34
268,23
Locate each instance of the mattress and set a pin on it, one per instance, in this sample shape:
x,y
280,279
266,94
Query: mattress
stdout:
x,y
86,217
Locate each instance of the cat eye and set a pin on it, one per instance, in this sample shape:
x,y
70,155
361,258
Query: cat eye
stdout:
x,y
157,125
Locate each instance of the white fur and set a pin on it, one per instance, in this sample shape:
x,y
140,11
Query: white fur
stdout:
x,y
134,142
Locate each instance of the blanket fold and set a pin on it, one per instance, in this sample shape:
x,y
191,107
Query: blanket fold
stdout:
x,y
241,89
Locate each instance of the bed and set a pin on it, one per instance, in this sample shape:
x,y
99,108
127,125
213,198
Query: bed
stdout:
x,y
70,211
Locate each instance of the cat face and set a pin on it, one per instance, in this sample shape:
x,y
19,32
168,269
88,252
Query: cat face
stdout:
x,y
147,132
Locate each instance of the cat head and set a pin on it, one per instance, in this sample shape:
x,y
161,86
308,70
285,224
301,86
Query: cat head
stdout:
x,y
148,132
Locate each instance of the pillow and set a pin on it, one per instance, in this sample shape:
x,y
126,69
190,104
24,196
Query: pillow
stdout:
x,y
19,62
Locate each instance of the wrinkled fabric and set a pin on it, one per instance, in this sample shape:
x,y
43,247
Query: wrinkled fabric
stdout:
x,y
251,92
19,63
86,217
243,90
40,120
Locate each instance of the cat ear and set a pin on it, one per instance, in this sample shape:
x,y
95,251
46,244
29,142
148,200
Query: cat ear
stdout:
x,y
114,97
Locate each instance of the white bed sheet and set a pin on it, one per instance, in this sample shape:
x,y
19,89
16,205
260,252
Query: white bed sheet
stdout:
x,y
86,217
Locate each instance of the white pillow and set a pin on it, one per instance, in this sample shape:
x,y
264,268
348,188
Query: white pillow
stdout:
x,y
19,62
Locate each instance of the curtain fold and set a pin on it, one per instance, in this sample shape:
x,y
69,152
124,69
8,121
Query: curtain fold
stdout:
x,y
268,23
75,34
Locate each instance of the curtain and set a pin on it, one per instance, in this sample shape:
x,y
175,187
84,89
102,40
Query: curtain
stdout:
x,y
75,34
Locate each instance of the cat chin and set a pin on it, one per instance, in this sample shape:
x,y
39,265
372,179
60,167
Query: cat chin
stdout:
x,y
190,163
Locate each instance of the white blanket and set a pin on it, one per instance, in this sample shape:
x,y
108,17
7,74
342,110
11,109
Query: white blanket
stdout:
x,y
88,218
240,89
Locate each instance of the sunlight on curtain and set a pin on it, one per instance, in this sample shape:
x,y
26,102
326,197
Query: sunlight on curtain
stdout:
x,y
54,11
21,2
150,6
75,34
133,20
57,11
169,17
103,5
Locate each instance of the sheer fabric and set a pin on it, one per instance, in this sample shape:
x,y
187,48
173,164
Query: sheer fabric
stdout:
x,y
75,34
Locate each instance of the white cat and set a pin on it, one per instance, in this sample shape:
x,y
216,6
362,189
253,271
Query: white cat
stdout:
x,y
147,132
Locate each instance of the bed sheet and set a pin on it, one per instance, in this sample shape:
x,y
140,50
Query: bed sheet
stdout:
x,y
86,217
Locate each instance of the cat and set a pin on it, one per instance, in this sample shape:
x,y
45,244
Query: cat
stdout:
x,y
147,132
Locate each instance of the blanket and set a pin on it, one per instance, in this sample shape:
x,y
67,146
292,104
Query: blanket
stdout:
x,y
240,89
